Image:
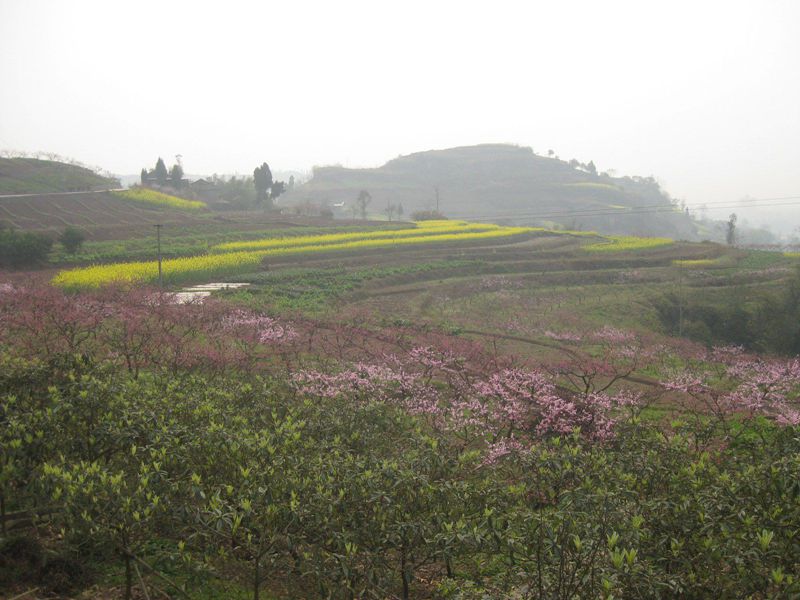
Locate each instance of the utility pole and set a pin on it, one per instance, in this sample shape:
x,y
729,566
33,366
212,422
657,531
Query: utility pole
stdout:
x,y
158,238
436,189
680,302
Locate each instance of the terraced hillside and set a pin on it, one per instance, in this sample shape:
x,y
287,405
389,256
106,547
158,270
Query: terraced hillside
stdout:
x,y
502,184
103,215
514,282
518,291
34,176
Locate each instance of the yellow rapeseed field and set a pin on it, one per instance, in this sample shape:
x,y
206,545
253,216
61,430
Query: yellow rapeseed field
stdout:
x,y
426,228
245,257
148,196
175,270
619,243
194,268
700,262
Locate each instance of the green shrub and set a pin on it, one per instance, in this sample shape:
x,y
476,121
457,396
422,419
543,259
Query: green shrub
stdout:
x,y
72,239
22,249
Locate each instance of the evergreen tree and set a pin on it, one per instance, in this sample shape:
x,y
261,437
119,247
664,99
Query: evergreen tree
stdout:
x,y
730,233
161,172
262,178
176,176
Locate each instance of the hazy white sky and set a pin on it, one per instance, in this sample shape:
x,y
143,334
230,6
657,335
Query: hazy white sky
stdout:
x,y
705,95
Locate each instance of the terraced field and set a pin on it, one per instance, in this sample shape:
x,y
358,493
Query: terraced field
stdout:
x,y
456,273
237,257
511,291
117,226
516,283
103,215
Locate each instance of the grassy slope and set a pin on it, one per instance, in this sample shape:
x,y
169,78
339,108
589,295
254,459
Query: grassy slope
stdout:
x,y
34,176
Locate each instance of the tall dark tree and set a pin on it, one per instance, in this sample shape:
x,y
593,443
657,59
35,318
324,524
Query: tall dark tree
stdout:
x,y
176,176
730,232
161,172
144,176
363,200
262,178
591,168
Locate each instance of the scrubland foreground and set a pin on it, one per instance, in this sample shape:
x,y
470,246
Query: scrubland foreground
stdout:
x,y
153,449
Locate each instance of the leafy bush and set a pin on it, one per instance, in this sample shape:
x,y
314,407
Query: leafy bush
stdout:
x,y
22,249
72,239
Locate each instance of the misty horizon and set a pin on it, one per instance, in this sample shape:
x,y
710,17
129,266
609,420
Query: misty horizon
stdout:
x,y
703,98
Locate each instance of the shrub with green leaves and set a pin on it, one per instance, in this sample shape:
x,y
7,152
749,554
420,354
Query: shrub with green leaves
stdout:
x,y
72,239
22,249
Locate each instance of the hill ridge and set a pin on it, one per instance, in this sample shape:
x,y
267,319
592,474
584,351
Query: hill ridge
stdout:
x,y
511,182
24,175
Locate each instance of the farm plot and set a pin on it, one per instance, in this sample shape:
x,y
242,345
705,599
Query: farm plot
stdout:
x,y
512,247
237,261
99,214
156,198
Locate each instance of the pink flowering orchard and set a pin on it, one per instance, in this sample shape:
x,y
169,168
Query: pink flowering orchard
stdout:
x,y
339,457
729,381
502,409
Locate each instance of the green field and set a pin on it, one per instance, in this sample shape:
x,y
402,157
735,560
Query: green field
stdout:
x,y
571,277
380,413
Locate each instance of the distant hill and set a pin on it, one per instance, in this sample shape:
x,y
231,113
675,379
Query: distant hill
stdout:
x,y
504,184
35,176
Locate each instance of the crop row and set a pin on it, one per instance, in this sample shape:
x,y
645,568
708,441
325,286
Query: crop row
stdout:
x,y
424,229
700,262
157,198
186,269
235,258
619,243
175,270
180,240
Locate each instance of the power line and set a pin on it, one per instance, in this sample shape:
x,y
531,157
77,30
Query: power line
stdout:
x,y
636,210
